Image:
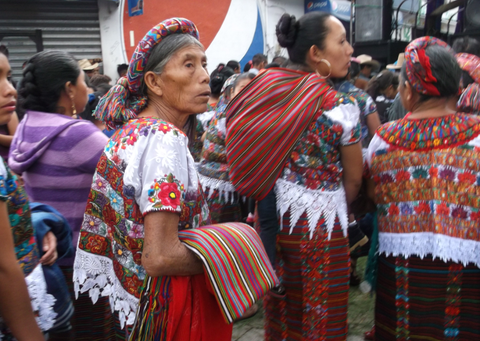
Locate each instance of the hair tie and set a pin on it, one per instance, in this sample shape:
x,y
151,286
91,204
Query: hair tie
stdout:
x,y
418,67
125,100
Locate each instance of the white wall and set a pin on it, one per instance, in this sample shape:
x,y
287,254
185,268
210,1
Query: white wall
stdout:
x,y
271,11
235,35
111,30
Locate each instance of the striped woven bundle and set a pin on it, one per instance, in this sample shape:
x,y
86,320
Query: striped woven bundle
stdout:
x,y
236,264
265,121
469,101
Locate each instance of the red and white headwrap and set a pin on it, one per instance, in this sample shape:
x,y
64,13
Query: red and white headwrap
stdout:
x,y
419,70
124,101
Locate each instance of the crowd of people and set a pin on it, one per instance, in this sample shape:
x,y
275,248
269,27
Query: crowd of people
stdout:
x,y
167,205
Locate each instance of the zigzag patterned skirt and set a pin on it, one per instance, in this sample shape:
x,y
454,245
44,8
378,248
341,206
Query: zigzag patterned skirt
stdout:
x,y
315,273
426,299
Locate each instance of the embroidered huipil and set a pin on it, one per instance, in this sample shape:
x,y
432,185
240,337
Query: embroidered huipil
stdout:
x,y
365,103
203,120
145,167
311,181
213,167
26,249
427,176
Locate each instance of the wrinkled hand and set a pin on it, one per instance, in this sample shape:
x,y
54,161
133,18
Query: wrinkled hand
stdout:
x,y
50,249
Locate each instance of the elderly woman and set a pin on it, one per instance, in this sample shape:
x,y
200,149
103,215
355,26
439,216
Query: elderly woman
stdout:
x,y
140,242
309,150
425,169
218,78
223,201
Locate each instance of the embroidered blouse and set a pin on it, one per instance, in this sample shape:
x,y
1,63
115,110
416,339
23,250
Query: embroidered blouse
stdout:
x,y
13,194
213,167
365,103
312,178
145,167
427,177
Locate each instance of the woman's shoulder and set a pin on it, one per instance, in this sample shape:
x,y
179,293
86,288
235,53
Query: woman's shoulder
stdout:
x,y
147,126
342,107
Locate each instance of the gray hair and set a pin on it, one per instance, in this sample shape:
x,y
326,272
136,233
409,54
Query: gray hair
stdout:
x,y
163,52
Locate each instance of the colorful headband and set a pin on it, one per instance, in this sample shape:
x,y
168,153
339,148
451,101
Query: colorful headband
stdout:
x,y
471,64
124,100
419,70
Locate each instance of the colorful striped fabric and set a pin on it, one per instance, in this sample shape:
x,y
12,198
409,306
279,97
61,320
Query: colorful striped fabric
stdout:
x,y
427,299
315,273
236,264
265,121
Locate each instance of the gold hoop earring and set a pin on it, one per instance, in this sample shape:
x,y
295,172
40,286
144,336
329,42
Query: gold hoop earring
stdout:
x,y
74,110
329,67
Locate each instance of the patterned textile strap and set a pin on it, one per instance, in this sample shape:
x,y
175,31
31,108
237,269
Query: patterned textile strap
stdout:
x,y
469,101
265,121
236,264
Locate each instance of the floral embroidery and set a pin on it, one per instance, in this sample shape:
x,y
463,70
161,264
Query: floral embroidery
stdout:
x,y
425,134
145,166
166,192
365,103
432,192
20,220
315,160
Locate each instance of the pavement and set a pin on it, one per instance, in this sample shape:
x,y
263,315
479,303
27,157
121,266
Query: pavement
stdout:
x,y
360,316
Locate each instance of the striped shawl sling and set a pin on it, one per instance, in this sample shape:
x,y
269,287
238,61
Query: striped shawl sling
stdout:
x,y
265,121
237,273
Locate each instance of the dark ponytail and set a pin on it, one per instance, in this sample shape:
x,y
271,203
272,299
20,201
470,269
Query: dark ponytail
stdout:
x,y
219,77
44,79
378,84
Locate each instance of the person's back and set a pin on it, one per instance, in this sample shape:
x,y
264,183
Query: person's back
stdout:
x,y
308,153
425,173
57,157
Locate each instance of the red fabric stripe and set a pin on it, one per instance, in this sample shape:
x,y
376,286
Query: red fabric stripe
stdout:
x,y
265,121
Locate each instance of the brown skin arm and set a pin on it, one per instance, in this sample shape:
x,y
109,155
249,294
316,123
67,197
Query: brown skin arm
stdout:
x,y
373,122
163,253
352,163
15,306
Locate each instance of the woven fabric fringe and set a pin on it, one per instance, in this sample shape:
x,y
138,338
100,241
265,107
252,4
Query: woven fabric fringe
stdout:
x,y
150,322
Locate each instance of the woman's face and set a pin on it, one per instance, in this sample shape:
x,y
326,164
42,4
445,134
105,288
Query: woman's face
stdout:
x,y
391,92
81,93
337,50
8,93
185,81
240,85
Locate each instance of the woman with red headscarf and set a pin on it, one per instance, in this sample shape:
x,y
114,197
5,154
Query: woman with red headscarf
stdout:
x,y
426,171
